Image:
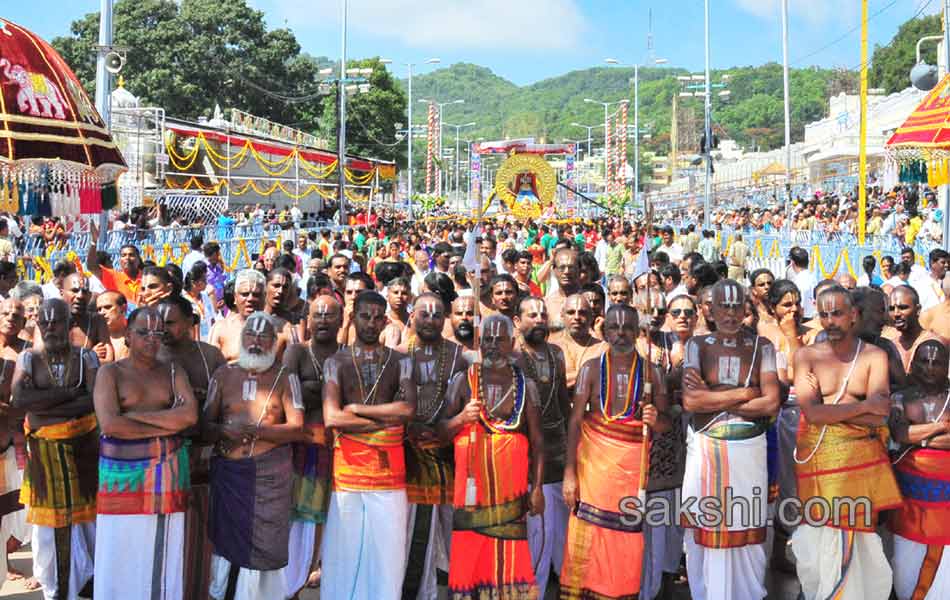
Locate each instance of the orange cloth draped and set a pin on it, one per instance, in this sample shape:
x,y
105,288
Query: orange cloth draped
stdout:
x,y
604,551
924,478
369,462
490,557
851,462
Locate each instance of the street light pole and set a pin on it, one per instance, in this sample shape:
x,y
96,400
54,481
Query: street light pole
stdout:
x,y
341,130
103,93
788,127
636,135
707,206
409,149
946,189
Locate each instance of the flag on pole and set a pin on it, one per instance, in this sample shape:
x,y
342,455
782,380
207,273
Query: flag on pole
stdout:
x,y
643,262
470,260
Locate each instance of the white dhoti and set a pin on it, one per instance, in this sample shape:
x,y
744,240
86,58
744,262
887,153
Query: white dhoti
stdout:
x,y
140,556
547,534
364,545
845,565
725,558
436,556
251,584
81,552
299,555
908,566
787,428
662,549
11,521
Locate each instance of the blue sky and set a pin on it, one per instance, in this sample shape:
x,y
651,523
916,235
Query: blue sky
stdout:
x,y
529,40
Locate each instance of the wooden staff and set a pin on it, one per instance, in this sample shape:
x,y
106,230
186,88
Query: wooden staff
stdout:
x,y
647,397
470,489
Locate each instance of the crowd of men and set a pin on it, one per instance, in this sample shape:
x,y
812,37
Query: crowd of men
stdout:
x,y
508,412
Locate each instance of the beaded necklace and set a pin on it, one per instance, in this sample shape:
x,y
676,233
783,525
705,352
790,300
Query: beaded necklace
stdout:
x,y
532,371
514,419
607,391
67,368
440,383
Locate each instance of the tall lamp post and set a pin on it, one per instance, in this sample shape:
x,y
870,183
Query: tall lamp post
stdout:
x,y
606,106
409,132
588,128
458,128
636,123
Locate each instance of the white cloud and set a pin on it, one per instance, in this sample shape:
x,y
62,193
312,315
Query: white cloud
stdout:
x,y
523,25
814,11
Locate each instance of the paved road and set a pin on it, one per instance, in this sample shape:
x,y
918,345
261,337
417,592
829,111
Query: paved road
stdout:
x,y
781,587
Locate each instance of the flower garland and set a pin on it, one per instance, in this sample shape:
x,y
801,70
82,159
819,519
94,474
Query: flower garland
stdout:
x,y
633,389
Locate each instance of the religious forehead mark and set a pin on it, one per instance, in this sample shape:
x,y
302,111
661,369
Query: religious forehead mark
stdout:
x,y
257,325
536,305
429,306
730,294
163,310
49,313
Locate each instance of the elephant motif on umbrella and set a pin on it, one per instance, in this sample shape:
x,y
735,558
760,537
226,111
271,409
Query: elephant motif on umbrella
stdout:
x,y
38,96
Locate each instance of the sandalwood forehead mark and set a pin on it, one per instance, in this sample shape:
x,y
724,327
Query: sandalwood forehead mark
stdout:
x,y
257,325
536,305
429,306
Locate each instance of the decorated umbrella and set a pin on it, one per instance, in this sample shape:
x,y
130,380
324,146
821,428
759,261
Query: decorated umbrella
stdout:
x,y
57,157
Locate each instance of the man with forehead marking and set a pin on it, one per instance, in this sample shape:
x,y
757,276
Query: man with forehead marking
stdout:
x,y
143,405
731,385
492,414
921,526
198,361
543,363
651,313
576,341
904,308
567,273
463,323
399,296
89,329
253,413
12,517
54,386
604,550
279,293
368,398
249,286
429,463
312,454
842,388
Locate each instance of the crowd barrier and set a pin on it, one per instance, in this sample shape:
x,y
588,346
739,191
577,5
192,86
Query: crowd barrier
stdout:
x,y
829,255
239,245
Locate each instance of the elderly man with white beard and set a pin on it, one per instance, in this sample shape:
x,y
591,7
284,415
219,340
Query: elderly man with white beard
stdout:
x,y
254,411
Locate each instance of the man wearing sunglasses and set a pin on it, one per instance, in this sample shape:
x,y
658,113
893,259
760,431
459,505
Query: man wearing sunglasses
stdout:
x,y
54,385
254,411
143,405
730,384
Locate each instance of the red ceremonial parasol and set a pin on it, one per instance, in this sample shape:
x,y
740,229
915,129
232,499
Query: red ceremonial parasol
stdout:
x,y
56,154
928,127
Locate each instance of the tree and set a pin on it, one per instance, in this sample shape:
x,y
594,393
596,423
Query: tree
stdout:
x,y
891,64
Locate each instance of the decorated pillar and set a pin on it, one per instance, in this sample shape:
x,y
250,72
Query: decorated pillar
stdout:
x,y
430,147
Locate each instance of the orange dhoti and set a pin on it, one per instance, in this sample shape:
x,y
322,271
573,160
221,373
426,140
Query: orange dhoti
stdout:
x,y
490,557
922,525
604,552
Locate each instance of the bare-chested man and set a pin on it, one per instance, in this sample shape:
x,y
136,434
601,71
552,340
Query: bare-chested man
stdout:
x,y
254,411
604,463
730,384
842,388
112,307
463,322
199,361
399,296
54,383
88,330
576,341
567,272
504,294
652,343
368,397
143,405
921,423
543,363
937,318
11,322
619,290
904,308
313,453
248,299
429,464
499,450
279,290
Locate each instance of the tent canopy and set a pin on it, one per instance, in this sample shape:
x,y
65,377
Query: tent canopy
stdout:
x,y
929,125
